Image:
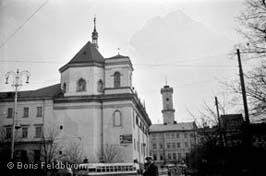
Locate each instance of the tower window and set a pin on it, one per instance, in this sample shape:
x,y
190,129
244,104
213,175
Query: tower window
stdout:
x,y
81,85
64,87
100,86
167,99
117,83
117,118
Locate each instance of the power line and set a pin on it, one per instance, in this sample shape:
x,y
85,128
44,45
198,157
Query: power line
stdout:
x,y
31,61
21,26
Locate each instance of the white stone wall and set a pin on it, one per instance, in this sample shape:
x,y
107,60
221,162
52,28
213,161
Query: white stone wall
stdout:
x,y
118,65
81,123
140,138
90,74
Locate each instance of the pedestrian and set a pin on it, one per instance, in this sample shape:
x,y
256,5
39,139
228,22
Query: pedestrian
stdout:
x,y
150,168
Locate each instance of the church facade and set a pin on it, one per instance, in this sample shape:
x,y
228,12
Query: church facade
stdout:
x,y
94,105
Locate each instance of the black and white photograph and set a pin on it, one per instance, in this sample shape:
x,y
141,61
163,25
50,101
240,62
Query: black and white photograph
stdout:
x,y
132,87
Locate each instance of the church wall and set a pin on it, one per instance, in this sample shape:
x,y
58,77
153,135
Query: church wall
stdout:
x,y
90,74
112,133
81,123
140,138
125,75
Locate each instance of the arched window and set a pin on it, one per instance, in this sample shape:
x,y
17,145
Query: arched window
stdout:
x,y
81,85
117,118
117,80
100,86
64,88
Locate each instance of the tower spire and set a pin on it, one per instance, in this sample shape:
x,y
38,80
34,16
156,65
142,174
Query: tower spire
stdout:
x,y
94,34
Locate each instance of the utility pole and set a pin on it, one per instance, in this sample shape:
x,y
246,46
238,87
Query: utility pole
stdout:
x,y
243,88
17,84
217,109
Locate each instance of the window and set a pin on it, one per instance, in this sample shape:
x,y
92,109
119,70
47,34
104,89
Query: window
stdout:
x,y
117,80
37,156
191,135
168,145
137,121
186,144
134,144
173,135
61,127
39,111
178,145
8,132
100,86
154,146
161,156
133,121
81,85
38,131
169,156
185,135
174,156
153,136
177,135
155,157
9,112
179,156
26,112
117,118
144,149
173,145
64,88
24,132
161,146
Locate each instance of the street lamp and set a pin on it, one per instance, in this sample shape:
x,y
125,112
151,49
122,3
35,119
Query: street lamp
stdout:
x,y
16,84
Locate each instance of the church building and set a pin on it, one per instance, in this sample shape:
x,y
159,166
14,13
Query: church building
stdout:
x,y
94,105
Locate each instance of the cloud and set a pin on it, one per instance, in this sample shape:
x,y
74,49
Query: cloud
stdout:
x,y
175,36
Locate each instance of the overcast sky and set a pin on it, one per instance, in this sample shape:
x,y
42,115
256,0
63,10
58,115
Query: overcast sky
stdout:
x,y
186,42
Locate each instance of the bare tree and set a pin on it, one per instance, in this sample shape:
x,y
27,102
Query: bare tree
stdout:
x,y
255,81
50,146
74,153
111,154
253,28
256,90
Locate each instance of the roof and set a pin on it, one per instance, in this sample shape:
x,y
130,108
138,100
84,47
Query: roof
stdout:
x,y
87,54
50,91
232,116
173,127
118,56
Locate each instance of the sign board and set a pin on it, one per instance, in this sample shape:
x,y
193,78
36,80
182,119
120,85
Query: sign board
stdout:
x,y
126,139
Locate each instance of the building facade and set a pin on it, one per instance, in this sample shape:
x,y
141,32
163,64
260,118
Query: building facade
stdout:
x,y
94,105
171,142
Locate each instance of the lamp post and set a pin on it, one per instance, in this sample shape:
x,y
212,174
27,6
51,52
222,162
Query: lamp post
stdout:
x,y
16,84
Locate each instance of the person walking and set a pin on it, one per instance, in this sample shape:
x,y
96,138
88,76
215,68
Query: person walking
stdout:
x,y
150,168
